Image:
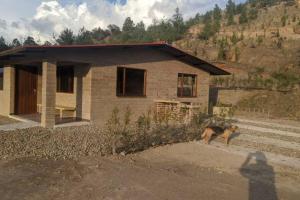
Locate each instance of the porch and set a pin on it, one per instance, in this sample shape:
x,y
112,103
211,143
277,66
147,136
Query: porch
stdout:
x,y
50,93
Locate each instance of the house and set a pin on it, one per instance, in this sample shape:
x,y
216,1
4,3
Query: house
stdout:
x,y
89,81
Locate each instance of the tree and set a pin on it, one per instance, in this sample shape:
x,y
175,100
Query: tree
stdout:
x,y
66,37
99,34
128,25
114,29
161,31
3,45
193,21
253,13
223,44
47,43
140,32
84,37
243,17
266,3
178,23
30,41
217,13
239,8
230,11
208,30
15,43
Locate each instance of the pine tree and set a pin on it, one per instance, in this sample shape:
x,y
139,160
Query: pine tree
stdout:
x,y
178,23
243,17
114,29
208,29
47,43
15,43
98,34
253,13
230,11
66,37
3,45
30,41
128,25
217,13
84,37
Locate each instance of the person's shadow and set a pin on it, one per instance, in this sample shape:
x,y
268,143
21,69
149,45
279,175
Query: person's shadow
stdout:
x,y
261,177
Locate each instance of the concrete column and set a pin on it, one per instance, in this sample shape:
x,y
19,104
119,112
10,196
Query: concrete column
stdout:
x,y
48,94
9,89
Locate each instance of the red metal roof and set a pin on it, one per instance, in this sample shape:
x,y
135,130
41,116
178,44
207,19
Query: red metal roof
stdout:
x,y
178,53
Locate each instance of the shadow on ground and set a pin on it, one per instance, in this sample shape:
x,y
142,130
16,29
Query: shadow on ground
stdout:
x,y
261,177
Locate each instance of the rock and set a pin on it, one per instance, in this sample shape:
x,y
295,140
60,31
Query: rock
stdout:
x,y
123,153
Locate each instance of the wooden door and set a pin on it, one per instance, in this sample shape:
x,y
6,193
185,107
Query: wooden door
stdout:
x,y
26,90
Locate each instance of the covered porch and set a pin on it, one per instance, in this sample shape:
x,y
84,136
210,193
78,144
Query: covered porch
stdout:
x,y
47,92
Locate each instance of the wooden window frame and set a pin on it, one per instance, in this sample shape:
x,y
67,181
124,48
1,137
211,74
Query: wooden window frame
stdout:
x,y
58,89
124,83
181,85
1,78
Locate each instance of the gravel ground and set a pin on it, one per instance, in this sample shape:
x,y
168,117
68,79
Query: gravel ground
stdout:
x,y
60,143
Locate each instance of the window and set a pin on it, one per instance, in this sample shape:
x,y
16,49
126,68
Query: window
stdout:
x,y
187,85
131,82
1,78
65,79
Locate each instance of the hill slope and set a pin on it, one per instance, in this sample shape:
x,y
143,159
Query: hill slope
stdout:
x,y
272,41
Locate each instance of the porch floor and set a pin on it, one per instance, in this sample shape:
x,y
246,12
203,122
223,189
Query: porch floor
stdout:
x,y
36,117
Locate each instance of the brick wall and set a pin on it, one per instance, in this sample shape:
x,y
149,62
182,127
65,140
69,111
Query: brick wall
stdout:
x,y
82,79
7,94
161,83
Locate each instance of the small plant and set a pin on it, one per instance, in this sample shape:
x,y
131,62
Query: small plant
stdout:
x,y
237,53
113,129
260,40
118,130
283,20
144,123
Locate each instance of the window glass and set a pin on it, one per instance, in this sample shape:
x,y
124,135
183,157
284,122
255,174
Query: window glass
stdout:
x,y
65,79
1,77
130,82
187,85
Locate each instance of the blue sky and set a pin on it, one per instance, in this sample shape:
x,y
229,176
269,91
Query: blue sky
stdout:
x,y
43,18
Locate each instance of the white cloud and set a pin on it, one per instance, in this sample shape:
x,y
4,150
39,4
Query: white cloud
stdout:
x,y
52,16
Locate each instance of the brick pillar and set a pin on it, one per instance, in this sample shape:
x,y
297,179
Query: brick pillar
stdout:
x,y
48,94
9,89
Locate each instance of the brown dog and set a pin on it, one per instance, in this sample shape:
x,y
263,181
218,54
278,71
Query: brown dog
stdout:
x,y
210,131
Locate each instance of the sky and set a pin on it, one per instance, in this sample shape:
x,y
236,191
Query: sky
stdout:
x,y
45,18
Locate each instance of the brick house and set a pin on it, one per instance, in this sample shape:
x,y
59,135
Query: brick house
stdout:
x,y
88,81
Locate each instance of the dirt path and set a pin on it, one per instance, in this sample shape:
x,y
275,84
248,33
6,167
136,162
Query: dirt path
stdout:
x,y
182,171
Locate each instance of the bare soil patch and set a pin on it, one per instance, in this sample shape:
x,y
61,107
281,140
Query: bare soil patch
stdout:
x,y
181,171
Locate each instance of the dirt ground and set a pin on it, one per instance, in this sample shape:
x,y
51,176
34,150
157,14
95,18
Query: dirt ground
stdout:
x,y
181,171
